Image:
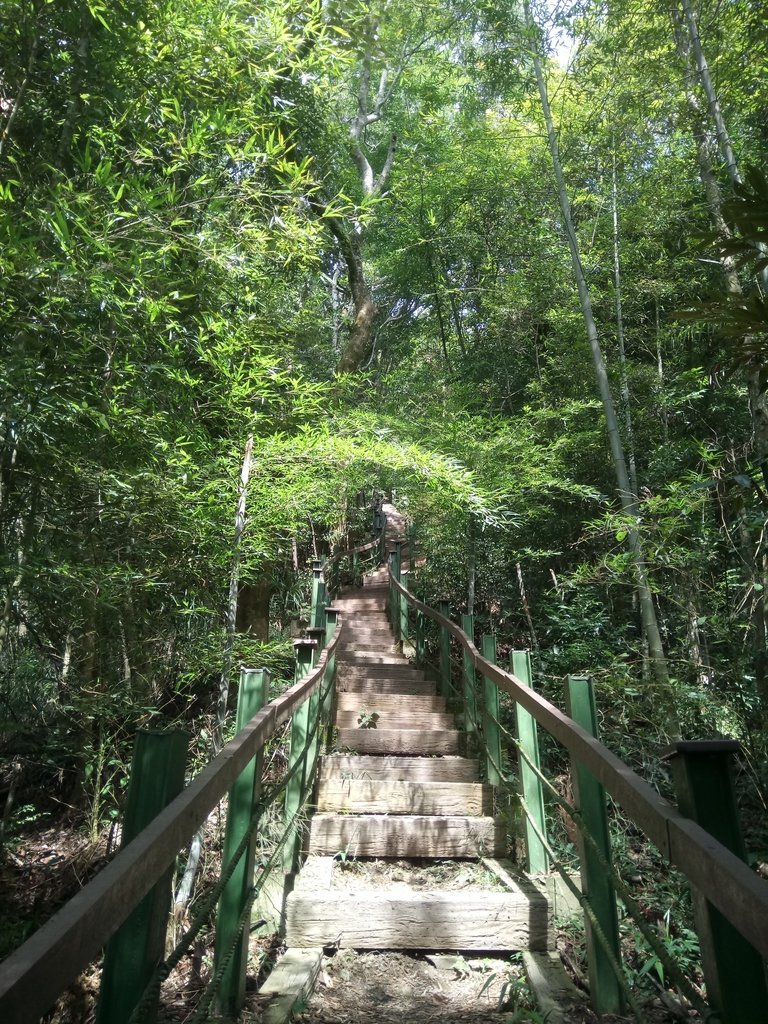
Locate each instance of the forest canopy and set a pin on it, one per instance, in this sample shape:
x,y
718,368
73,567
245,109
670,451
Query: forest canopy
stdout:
x,y
502,262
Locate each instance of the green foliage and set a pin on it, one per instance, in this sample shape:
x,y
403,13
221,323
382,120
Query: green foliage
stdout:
x,y
168,176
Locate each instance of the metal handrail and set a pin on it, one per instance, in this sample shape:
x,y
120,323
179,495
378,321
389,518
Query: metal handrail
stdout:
x,y
719,875
33,976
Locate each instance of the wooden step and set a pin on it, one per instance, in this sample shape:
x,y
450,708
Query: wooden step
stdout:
x,y
365,600
399,741
374,686
373,658
372,630
391,702
405,835
357,628
379,918
384,672
395,721
391,768
362,652
364,796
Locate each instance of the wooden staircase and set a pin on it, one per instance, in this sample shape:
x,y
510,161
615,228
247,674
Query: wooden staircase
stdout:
x,y
399,790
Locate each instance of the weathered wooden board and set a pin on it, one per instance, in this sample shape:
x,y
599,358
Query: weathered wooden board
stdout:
x,y
378,919
399,741
392,769
374,605
552,988
376,653
395,720
364,658
316,873
291,981
369,633
405,835
403,687
361,796
381,672
392,702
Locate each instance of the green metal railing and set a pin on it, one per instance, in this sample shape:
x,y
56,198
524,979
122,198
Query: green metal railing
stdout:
x,y
126,907
700,837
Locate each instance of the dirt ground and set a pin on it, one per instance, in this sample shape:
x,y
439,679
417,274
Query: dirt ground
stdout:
x,y
422,988
394,988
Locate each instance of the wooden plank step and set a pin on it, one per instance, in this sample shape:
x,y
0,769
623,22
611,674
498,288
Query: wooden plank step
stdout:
x,y
375,613
370,636
391,702
366,601
291,981
405,835
390,768
381,919
385,672
358,628
395,721
556,995
399,741
363,796
403,687
363,651
372,658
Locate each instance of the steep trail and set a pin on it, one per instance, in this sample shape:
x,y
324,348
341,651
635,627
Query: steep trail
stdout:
x,y
402,847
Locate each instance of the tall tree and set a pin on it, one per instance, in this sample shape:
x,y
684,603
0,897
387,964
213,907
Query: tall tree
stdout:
x,y
627,497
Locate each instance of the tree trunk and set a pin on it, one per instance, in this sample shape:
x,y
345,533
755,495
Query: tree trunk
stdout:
x,y
359,342
625,395
626,496
231,618
723,138
688,46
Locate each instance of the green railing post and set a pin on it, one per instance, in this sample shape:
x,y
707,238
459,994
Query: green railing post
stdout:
x,y
606,994
243,798
420,644
138,946
402,630
327,700
318,594
533,794
733,969
469,686
300,727
317,634
446,684
395,568
491,730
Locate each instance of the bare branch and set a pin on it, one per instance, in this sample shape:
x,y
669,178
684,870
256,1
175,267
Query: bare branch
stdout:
x,y
365,169
382,95
386,170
